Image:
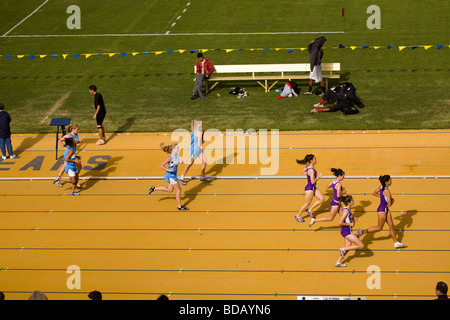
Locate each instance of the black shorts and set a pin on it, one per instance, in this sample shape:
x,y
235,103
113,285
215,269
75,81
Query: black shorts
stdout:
x,y
100,117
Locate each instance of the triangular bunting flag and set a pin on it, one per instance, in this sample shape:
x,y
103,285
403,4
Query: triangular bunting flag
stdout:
x,y
123,54
146,53
76,56
303,49
8,57
427,47
266,49
241,50
290,50
353,47
414,47
111,54
376,47
158,52
65,55
169,52
439,47
32,56
365,47
341,46
192,51
181,51
203,50
134,53
54,56
228,50
42,56
401,48
389,47
87,55
20,56
277,49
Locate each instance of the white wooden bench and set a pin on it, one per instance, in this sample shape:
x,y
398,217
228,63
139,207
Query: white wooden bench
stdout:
x,y
263,73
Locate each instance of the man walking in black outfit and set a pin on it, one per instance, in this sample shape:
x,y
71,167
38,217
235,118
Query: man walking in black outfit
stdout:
x,y
100,113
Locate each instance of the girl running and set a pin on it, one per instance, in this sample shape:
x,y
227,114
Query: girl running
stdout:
x,y
73,133
346,222
70,164
173,160
384,214
310,190
338,191
196,150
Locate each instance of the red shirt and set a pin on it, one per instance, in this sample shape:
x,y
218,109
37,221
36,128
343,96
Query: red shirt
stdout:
x,y
206,63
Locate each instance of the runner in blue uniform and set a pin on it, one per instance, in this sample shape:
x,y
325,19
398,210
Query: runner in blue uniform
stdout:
x,y
172,162
196,151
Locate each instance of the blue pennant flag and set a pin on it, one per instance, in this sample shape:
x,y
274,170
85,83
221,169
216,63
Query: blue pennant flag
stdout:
x,y
32,56
76,56
439,47
54,56
265,49
8,57
414,47
341,46
365,47
290,50
146,53
192,51
169,52
123,54
389,47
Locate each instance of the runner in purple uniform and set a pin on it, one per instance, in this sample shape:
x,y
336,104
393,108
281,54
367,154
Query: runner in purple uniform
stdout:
x,y
310,190
384,214
338,190
346,222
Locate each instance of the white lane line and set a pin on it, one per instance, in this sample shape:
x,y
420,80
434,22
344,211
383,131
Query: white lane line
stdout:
x,y
24,19
168,34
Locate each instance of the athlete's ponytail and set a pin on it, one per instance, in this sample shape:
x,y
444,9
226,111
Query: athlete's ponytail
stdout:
x,y
308,158
383,180
346,199
337,172
167,147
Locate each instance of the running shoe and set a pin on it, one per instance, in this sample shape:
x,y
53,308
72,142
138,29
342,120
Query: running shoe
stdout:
x,y
310,213
360,233
398,245
182,181
151,190
74,194
299,219
342,251
183,208
318,105
3,157
312,222
314,111
340,265
307,93
205,179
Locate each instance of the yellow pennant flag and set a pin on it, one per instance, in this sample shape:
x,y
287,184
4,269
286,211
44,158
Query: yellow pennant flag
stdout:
x,y
277,49
42,56
401,48
228,50
376,47
427,47
203,50
20,56
111,54
353,47
158,52
134,53
181,51
64,55
302,49
87,55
